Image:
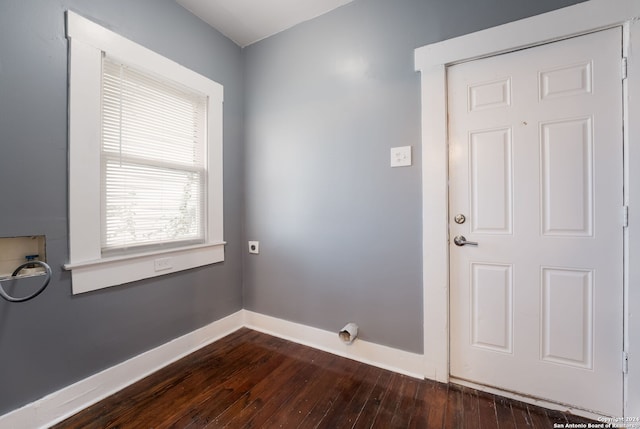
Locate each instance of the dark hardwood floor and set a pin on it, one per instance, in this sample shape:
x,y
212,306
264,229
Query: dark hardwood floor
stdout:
x,y
252,380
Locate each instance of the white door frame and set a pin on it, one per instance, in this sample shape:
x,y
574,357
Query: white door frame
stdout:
x,y
431,61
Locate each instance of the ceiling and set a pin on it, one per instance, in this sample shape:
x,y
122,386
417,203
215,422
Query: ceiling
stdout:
x,y
248,21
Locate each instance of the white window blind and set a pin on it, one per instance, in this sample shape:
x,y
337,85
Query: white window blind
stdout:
x,y
153,160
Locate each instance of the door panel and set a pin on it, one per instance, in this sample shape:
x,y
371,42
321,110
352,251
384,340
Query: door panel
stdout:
x,y
491,181
492,307
567,177
567,317
536,168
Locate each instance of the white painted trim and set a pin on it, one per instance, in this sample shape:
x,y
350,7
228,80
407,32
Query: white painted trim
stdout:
x,y
555,25
94,275
89,271
69,400
431,61
62,404
362,351
435,215
105,40
632,187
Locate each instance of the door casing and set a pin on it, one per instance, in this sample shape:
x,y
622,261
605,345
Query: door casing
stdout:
x,y
431,61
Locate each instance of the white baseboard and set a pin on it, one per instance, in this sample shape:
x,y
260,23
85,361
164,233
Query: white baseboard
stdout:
x,y
65,402
69,400
400,361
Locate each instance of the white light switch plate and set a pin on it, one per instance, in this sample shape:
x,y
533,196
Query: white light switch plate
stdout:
x,y
401,156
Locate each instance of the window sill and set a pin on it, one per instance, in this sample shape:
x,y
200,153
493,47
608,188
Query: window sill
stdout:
x,y
102,273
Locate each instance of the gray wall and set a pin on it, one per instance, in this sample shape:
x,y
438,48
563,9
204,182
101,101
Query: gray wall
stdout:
x,y
57,339
340,230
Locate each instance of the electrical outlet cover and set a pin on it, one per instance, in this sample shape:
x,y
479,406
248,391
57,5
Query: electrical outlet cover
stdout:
x,y
401,156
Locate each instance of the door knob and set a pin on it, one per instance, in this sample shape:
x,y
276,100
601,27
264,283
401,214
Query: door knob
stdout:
x,y
460,240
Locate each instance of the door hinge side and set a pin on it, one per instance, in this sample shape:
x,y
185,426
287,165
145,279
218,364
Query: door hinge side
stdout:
x,y
625,68
625,216
625,362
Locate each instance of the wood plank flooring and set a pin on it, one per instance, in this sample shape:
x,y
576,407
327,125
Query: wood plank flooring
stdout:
x,y
252,380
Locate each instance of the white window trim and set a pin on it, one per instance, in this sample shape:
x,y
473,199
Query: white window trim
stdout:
x,y
89,270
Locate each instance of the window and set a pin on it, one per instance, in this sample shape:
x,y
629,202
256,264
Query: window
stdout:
x,y
145,162
152,161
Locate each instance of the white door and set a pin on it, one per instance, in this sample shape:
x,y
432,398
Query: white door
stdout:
x,y
536,156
